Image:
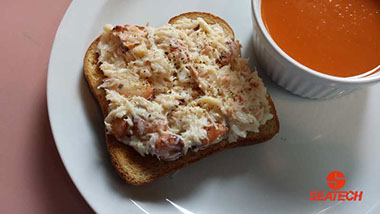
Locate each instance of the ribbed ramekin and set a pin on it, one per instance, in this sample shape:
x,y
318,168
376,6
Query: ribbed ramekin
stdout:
x,y
292,75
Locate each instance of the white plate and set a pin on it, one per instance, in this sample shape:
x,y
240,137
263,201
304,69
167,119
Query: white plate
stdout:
x,y
316,137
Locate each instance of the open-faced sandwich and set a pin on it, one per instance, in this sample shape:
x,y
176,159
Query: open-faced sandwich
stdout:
x,y
175,94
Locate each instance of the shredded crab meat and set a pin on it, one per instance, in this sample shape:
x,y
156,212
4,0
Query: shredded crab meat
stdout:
x,y
178,87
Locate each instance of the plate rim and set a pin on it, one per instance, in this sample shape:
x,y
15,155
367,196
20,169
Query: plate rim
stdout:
x,y
50,104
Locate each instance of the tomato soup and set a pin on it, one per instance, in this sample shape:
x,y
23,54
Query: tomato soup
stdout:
x,y
335,37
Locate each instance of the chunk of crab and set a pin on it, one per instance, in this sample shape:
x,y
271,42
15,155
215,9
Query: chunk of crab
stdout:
x,y
169,147
142,89
227,57
130,36
142,127
214,133
120,128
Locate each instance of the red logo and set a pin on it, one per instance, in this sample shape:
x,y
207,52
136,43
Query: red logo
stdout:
x,y
336,181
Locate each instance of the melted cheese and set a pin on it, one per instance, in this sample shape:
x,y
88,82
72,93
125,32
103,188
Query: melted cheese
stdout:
x,y
182,78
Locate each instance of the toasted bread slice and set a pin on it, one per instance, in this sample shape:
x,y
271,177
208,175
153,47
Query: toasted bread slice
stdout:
x,y
136,169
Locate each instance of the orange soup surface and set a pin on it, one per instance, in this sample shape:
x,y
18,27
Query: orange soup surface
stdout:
x,y
336,37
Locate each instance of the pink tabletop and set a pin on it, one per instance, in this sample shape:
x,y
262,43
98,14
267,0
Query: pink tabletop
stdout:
x,y
32,176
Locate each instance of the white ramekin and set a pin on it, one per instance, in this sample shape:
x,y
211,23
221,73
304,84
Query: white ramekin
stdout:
x,y
294,76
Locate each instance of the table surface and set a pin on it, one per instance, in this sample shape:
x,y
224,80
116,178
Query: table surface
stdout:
x,y
32,176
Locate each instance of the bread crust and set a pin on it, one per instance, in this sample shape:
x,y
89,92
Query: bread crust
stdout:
x,y
129,164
